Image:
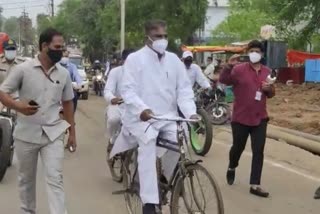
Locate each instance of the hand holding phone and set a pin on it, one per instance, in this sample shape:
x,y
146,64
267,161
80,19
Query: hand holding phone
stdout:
x,y
33,103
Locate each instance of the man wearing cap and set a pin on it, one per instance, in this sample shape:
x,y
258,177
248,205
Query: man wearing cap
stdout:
x,y
8,59
194,71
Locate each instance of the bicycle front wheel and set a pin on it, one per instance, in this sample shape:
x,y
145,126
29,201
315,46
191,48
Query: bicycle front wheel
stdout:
x,y
131,196
197,192
201,134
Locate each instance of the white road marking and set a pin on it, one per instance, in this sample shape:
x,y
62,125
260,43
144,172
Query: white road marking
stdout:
x,y
278,165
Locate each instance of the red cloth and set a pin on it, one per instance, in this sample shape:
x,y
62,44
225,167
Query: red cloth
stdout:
x,y
300,57
3,37
245,81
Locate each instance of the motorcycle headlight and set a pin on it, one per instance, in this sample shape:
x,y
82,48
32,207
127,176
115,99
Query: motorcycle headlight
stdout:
x,y
99,77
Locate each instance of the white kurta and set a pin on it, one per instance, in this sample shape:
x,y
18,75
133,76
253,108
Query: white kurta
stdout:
x,y
196,76
162,86
113,112
112,88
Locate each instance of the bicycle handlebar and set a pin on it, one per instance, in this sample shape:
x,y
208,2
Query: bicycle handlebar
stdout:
x,y
175,119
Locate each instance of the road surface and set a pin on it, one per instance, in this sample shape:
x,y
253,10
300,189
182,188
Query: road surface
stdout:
x,y
290,174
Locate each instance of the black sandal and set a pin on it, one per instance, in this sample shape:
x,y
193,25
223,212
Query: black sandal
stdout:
x,y
259,192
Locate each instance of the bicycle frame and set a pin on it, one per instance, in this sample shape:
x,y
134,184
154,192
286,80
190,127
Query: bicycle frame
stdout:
x,y
180,169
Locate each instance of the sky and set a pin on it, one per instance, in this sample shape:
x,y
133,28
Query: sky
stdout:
x,y
33,7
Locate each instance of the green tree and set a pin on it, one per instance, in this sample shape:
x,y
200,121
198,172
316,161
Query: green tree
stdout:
x,y
11,27
299,19
243,25
43,22
244,21
97,22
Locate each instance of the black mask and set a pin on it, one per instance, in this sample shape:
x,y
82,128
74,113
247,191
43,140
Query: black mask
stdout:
x,y
188,62
55,55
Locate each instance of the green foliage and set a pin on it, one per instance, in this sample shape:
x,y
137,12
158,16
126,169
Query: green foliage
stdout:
x,y
244,25
11,27
244,21
297,21
43,21
97,22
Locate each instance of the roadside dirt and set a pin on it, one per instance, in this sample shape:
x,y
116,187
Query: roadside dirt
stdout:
x,y
296,107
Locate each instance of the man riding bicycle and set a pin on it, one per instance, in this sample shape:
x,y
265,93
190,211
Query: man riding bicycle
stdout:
x,y
114,100
155,82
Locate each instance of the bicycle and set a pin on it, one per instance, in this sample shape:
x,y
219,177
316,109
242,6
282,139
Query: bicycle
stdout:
x,y
186,171
116,162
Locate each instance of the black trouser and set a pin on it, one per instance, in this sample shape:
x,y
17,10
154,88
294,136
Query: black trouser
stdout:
x,y
258,139
75,101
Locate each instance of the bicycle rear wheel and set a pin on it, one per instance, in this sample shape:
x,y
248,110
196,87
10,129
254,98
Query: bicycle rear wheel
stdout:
x,y
197,192
130,183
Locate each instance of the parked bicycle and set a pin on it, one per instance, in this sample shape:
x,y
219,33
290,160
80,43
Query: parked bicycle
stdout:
x,y
193,189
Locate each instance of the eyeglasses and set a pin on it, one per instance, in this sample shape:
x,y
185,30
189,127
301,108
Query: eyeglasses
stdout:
x,y
160,36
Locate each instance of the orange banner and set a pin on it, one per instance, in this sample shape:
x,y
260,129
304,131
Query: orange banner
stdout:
x,y
214,49
298,57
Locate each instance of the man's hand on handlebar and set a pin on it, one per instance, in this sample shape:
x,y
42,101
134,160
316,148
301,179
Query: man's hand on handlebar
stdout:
x,y
146,115
116,101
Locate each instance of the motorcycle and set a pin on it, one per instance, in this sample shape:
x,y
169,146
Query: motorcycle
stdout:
x,y
215,105
98,82
201,133
7,124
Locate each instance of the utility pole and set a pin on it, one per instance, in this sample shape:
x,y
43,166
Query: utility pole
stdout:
x,y
52,7
123,23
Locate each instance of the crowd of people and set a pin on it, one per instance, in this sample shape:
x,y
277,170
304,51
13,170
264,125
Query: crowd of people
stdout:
x,y
151,81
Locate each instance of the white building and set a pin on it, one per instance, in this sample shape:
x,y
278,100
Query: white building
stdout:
x,y
217,12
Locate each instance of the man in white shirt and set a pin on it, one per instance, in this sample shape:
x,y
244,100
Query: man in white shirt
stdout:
x,y
114,100
154,82
211,66
194,71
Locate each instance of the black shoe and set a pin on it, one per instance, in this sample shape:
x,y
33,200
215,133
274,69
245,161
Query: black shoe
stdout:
x,y
317,194
259,192
231,174
149,209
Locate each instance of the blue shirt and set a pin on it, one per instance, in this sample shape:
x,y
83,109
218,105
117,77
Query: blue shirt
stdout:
x,y
73,71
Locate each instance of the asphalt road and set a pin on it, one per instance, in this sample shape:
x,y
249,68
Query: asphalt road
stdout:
x,y
290,174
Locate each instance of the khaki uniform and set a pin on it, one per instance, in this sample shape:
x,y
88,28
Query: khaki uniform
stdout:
x,y
5,67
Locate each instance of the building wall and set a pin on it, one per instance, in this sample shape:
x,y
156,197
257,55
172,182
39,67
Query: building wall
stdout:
x,y
215,15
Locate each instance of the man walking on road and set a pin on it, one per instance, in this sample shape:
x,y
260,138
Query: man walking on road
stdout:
x,y
42,84
74,74
9,61
250,113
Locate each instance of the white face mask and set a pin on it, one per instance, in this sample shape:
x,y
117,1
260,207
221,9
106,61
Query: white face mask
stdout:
x,y
64,60
160,45
10,54
255,57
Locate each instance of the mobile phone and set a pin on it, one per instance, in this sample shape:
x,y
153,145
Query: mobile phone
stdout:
x,y
244,58
33,103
